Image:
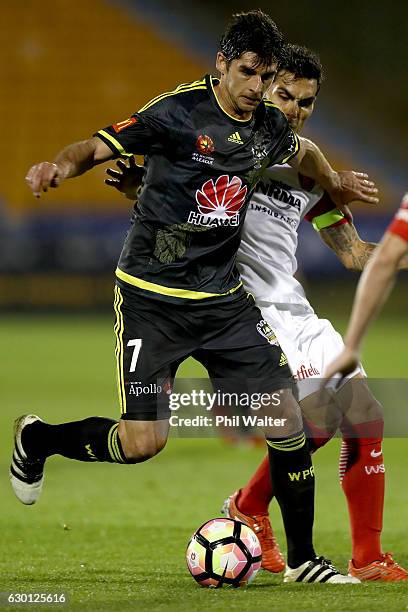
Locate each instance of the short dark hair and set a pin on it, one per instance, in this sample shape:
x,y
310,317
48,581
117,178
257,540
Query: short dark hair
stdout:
x,y
254,32
302,62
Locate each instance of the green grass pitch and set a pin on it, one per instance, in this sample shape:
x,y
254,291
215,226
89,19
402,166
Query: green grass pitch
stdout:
x,y
113,537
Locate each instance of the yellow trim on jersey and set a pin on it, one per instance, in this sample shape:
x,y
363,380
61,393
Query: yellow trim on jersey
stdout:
x,y
115,142
118,329
180,89
269,103
223,109
294,152
327,219
171,291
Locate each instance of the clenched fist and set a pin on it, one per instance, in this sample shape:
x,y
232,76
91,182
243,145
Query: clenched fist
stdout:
x,y
42,176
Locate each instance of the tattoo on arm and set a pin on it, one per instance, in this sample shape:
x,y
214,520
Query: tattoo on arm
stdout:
x,y
344,240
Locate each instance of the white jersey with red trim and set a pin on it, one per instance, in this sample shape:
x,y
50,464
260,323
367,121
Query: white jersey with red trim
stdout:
x,y
399,224
267,263
267,255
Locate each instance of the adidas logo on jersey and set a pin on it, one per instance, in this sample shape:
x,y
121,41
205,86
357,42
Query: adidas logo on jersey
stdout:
x,y
283,360
235,138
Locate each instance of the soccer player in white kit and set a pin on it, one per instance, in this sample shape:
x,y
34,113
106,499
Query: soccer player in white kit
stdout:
x,y
267,263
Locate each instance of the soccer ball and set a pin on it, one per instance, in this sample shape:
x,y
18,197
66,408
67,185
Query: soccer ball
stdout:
x,y
223,551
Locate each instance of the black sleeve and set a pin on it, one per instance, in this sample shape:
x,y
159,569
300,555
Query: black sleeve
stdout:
x,y
287,142
137,134
289,146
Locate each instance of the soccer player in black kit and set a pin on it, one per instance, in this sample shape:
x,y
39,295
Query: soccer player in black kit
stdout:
x,y
178,292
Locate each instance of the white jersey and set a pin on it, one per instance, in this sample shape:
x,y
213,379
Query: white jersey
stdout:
x,y
267,255
267,263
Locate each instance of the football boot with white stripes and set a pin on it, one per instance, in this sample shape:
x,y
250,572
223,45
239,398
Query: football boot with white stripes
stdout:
x,y
317,570
26,473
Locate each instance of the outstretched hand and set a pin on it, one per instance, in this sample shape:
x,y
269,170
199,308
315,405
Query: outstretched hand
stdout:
x,y
127,178
354,186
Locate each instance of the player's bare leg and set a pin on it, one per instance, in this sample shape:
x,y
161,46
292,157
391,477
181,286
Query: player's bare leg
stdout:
x,y
142,440
93,439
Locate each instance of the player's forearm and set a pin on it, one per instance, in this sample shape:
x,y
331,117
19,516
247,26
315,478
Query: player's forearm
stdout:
x,y
72,161
344,241
76,158
363,254
342,187
373,290
312,163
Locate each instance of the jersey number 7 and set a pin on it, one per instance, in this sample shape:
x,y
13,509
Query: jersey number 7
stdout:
x,y
137,343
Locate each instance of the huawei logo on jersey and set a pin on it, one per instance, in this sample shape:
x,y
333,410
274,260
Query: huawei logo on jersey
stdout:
x,y
219,203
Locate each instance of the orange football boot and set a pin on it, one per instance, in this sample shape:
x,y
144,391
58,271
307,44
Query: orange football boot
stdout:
x,y
385,569
272,558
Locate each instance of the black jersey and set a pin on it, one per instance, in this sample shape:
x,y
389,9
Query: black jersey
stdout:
x,y
202,166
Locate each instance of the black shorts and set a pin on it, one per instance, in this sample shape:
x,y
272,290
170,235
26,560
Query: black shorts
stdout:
x,y
153,337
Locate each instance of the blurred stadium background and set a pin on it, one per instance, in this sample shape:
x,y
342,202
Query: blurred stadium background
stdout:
x,y
67,69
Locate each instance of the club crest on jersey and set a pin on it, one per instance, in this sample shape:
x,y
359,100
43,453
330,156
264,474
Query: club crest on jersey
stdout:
x,y
267,332
262,143
205,146
219,203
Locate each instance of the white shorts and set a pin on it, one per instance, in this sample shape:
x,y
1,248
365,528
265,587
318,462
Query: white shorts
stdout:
x,y
309,343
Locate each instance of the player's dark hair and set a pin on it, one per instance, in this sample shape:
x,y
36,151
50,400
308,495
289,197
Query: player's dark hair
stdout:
x,y
302,62
254,32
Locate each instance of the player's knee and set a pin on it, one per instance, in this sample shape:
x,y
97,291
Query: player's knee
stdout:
x,y
140,442
137,451
287,413
369,410
358,404
375,410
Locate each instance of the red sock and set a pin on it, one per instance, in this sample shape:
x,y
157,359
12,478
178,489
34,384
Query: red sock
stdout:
x,y
362,478
257,493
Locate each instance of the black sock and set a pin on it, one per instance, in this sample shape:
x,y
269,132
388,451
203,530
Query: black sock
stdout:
x,y
293,484
93,439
